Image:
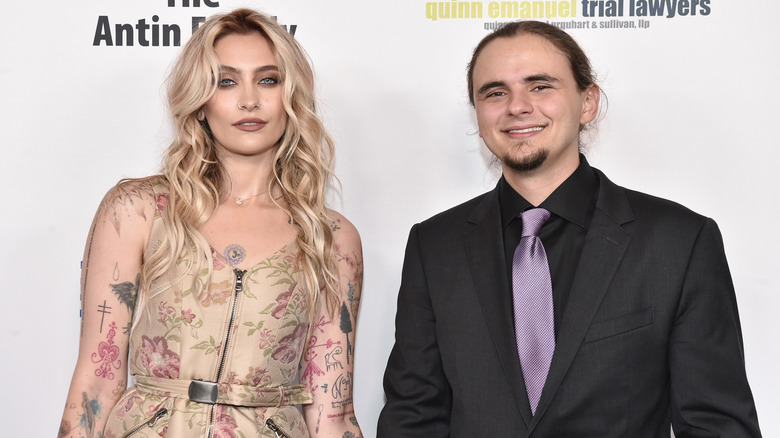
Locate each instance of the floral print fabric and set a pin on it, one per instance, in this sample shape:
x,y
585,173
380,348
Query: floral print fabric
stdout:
x,y
182,333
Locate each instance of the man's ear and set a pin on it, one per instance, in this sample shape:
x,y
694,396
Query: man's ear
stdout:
x,y
590,104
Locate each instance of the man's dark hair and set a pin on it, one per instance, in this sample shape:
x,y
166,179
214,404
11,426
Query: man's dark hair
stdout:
x,y
578,61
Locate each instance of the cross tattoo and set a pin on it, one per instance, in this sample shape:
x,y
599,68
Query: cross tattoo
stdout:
x,y
103,309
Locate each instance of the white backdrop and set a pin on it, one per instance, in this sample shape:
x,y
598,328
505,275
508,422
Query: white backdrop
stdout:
x,y
693,105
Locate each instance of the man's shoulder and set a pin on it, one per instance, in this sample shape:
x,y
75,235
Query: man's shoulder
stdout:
x,y
645,202
645,206
457,215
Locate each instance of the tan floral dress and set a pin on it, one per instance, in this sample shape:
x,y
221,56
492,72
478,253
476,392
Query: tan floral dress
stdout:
x,y
217,356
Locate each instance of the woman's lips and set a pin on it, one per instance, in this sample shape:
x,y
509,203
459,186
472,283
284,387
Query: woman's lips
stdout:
x,y
250,125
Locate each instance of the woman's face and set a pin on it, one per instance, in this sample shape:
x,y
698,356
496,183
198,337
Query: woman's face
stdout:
x,y
245,114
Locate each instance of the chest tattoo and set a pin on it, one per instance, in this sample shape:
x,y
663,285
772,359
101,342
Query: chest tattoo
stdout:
x,y
235,254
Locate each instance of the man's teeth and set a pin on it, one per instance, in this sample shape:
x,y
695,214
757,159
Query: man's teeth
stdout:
x,y
535,128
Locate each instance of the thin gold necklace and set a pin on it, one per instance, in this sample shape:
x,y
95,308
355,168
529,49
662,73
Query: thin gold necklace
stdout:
x,y
240,200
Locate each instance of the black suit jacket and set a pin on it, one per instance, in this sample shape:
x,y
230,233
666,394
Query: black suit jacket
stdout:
x,y
650,337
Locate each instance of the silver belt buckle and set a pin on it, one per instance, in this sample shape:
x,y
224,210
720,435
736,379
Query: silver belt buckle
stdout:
x,y
203,392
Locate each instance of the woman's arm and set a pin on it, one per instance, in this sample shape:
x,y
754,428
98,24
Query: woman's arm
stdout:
x,y
329,368
110,274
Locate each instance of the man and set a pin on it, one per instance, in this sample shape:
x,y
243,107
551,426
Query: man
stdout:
x,y
628,326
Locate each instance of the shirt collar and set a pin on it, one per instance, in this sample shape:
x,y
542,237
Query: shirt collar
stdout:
x,y
572,200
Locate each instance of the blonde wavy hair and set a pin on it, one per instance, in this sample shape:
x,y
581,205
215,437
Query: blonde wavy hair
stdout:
x,y
194,175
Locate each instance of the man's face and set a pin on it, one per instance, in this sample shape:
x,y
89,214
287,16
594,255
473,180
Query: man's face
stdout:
x,y
529,109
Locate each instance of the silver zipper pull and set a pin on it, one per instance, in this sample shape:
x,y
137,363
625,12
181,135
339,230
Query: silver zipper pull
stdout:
x,y
271,424
161,413
239,279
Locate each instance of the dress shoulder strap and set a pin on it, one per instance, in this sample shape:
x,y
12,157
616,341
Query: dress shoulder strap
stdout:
x,y
161,198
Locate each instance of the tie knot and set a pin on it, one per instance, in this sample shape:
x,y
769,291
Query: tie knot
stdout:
x,y
533,220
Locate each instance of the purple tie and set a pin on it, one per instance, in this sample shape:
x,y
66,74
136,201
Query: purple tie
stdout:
x,y
532,291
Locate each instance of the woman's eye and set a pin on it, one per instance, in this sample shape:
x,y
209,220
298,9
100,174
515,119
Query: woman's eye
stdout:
x,y
269,81
225,82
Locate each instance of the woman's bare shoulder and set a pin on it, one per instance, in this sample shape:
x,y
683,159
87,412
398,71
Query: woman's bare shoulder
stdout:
x,y
345,234
128,200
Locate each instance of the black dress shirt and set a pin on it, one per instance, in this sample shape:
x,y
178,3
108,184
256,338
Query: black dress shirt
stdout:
x,y
571,208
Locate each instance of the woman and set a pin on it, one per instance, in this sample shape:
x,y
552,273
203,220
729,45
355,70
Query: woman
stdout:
x,y
224,283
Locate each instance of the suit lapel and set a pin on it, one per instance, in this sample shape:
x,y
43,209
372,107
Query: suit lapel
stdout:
x,y
484,253
605,244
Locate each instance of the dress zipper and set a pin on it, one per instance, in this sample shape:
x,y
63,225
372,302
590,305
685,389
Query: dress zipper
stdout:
x,y
239,287
151,422
271,424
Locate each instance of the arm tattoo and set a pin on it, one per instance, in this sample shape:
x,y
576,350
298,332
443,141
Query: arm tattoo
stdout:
x,y
64,428
86,274
103,308
107,356
341,390
346,326
124,195
331,361
126,292
319,417
92,410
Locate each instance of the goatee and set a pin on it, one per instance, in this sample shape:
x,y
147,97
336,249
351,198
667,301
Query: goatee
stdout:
x,y
527,162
